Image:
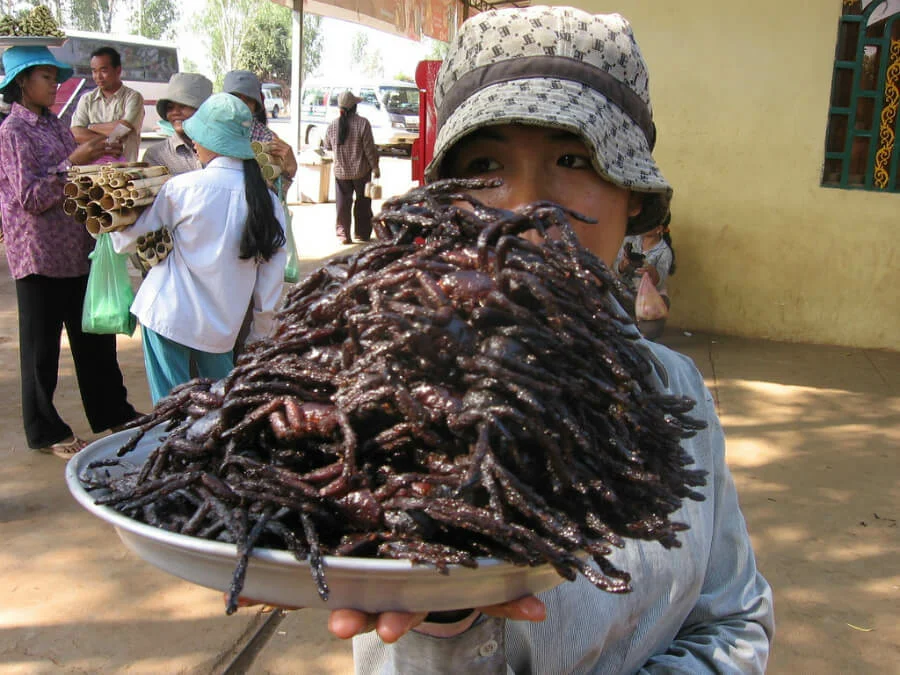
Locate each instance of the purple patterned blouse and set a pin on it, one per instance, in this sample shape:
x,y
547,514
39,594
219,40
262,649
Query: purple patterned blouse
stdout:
x,y
40,238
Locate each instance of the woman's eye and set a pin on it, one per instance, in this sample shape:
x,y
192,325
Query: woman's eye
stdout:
x,y
481,165
574,162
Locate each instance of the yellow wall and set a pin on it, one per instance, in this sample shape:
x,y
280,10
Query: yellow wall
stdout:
x,y
740,94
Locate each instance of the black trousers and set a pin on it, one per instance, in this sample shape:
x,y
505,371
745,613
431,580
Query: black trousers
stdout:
x,y
47,304
362,208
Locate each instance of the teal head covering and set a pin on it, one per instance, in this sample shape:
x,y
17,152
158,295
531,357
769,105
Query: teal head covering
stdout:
x,y
222,124
18,58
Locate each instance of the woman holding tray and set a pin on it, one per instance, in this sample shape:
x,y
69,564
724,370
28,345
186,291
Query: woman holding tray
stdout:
x,y
47,253
555,102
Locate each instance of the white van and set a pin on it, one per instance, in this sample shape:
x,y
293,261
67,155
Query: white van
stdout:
x,y
391,106
273,99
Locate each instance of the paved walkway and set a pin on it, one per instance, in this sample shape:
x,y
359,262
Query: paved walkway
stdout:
x,y
813,442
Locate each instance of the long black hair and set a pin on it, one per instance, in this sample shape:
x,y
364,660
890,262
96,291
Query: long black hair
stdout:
x,y
344,124
13,93
666,237
263,234
259,110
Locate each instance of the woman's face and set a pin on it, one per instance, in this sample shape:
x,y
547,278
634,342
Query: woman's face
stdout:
x,y
176,114
542,164
39,87
250,102
205,155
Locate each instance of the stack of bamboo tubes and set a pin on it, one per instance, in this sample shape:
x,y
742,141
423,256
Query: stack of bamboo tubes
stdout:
x,y
110,197
268,163
153,247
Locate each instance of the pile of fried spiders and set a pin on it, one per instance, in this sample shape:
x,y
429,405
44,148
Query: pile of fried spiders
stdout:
x,y
449,392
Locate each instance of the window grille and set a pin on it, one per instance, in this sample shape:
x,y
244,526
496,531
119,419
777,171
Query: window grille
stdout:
x,y
861,138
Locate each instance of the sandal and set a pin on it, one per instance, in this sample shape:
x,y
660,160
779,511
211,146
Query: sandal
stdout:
x,y
66,449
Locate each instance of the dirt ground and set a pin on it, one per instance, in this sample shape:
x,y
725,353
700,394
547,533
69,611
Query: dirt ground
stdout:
x,y
813,438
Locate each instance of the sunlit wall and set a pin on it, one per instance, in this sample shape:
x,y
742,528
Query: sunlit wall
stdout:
x,y
741,96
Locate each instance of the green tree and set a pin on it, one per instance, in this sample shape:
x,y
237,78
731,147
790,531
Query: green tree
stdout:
x,y
313,41
438,50
267,48
367,60
95,15
154,19
224,25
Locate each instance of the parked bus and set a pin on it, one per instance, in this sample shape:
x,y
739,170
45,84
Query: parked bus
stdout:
x,y
392,108
147,66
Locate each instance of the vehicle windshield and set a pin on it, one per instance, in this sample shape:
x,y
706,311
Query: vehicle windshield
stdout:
x,y
401,100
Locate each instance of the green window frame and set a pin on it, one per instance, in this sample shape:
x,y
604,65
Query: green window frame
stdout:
x,y
862,135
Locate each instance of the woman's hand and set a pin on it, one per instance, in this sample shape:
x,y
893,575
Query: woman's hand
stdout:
x,y
651,270
391,626
285,153
89,151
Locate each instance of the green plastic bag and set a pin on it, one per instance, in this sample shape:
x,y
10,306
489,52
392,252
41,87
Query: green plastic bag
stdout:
x,y
107,301
292,266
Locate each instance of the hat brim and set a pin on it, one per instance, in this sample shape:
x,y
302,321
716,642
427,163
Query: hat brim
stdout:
x,y
619,150
63,70
218,140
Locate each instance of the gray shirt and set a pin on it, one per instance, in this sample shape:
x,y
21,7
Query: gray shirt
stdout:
x,y
701,608
173,153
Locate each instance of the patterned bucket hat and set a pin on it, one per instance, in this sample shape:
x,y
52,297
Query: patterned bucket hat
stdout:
x,y
556,67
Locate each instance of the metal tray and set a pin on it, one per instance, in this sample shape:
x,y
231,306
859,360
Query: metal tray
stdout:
x,y
30,41
276,577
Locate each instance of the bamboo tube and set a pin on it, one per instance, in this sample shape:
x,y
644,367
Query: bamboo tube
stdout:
x,y
260,147
266,158
70,207
147,182
142,201
110,203
93,225
271,171
144,192
118,181
86,181
94,209
96,193
149,255
119,220
162,250
86,168
136,165
149,172
74,190
80,215
120,193
166,237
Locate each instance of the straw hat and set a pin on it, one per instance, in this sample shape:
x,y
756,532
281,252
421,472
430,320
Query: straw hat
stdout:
x,y
562,68
222,124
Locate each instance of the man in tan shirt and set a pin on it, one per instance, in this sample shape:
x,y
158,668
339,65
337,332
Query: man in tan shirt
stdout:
x,y
112,110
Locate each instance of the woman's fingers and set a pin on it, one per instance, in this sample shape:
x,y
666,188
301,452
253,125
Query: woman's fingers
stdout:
x,y
390,626
528,608
345,623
